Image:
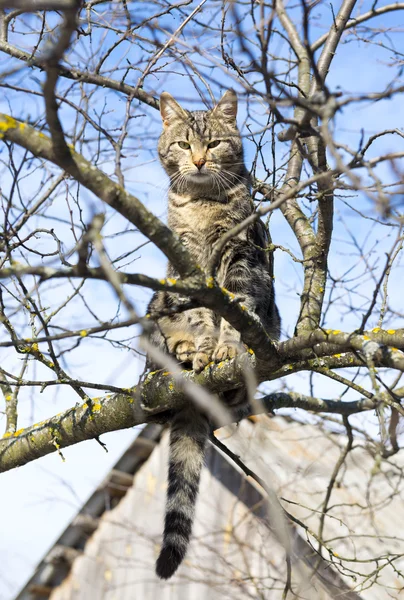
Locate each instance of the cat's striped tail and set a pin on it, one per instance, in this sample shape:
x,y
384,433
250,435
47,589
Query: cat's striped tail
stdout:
x,y
189,433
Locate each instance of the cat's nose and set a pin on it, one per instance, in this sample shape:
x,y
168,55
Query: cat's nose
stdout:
x,y
199,163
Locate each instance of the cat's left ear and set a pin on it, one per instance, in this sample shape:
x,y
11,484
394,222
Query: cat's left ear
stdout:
x,y
170,109
227,106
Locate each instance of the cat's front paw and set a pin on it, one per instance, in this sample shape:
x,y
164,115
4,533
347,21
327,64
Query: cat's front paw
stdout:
x,y
227,350
185,352
201,359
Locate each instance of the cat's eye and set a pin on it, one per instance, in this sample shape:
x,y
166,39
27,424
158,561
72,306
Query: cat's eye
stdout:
x,y
184,145
214,144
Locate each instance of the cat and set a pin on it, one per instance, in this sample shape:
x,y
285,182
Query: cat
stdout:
x,y
202,153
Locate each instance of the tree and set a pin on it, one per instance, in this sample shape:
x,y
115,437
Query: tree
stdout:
x,y
79,125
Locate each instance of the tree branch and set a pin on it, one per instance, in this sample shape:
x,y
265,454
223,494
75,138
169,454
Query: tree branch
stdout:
x,y
158,394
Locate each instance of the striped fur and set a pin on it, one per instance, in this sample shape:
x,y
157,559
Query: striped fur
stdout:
x,y
189,431
202,153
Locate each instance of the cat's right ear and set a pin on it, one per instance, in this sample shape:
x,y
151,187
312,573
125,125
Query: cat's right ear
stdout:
x,y
227,106
170,109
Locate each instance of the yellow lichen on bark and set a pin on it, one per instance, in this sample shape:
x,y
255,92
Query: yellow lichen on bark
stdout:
x,y
6,123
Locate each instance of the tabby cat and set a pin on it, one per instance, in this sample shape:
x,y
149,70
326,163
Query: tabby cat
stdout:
x,y
202,153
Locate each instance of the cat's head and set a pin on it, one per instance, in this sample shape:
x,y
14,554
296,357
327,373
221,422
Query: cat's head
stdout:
x,y
201,149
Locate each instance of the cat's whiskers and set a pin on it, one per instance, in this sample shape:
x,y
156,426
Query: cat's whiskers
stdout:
x,y
236,175
178,180
216,181
233,176
163,186
227,181
219,181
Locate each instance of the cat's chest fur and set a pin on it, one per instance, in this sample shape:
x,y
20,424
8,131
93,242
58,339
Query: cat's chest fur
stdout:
x,y
200,223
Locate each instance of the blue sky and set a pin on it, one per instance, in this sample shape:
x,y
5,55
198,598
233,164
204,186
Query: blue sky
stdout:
x,y
41,497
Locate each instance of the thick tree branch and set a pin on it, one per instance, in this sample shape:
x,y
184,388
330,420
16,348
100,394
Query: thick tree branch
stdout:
x,y
332,41
158,394
314,247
